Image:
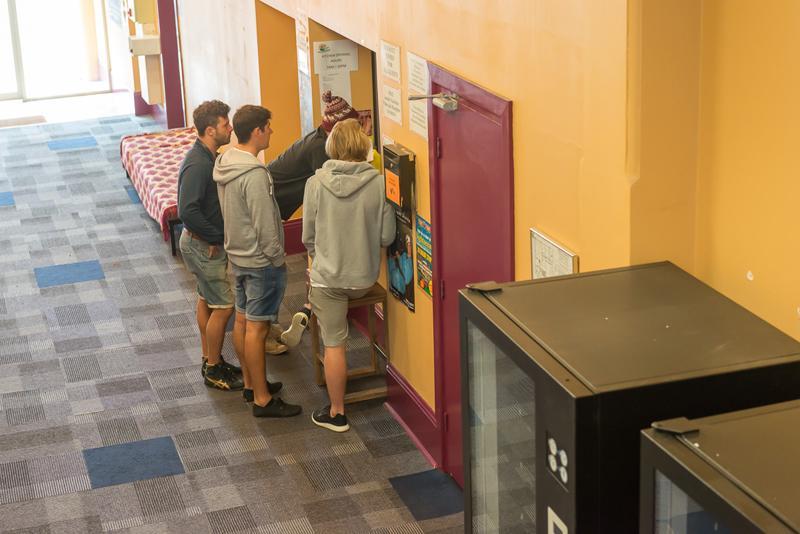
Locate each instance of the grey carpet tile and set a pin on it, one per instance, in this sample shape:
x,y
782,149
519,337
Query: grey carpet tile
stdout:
x,y
116,361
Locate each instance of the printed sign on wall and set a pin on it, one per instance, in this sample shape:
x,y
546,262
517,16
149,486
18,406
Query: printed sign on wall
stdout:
x,y
392,104
390,61
424,256
331,57
400,264
418,83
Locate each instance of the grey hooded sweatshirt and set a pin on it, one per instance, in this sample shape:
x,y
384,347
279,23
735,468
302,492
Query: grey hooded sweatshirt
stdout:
x,y
253,228
346,221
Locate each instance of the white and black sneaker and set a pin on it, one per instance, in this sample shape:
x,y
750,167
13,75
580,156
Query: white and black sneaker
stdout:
x,y
291,337
322,417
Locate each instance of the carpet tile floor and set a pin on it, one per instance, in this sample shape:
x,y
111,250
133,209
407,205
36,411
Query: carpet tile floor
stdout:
x,y
105,425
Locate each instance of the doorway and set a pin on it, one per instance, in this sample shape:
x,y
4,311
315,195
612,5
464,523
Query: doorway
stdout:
x,y
53,48
472,212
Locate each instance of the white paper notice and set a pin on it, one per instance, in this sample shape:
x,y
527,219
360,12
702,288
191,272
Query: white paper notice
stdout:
x,y
338,83
335,56
418,83
390,61
392,104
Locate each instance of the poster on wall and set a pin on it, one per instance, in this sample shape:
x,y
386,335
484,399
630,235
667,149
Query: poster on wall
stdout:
x,y
392,104
424,256
400,265
418,84
390,61
365,119
331,57
338,83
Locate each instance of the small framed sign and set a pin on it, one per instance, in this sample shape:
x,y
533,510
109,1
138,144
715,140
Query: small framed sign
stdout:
x,y
548,258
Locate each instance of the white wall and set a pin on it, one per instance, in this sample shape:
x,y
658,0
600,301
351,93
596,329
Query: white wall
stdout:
x,y
219,52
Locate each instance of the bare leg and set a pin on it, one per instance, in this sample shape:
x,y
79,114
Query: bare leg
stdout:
x,y
203,314
336,377
239,326
215,333
254,337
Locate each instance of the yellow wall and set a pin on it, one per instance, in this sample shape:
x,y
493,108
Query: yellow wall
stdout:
x,y
643,130
748,186
277,67
564,66
663,113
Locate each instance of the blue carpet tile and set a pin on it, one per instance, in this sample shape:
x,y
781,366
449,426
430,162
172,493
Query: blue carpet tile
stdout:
x,y
70,273
429,494
134,196
72,144
129,462
6,198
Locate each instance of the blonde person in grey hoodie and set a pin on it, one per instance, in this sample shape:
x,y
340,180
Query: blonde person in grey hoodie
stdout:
x,y
253,234
346,222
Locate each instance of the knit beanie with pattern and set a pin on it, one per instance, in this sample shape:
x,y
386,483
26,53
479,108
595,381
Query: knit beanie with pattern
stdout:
x,y
336,109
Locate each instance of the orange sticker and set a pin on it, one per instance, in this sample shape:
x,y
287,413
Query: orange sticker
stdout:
x,y
392,187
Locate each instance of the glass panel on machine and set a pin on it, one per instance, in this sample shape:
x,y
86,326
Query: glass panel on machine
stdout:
x,y
677,513
502,436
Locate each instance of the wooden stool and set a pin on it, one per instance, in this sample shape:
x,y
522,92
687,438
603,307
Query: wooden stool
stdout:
x,y
375,295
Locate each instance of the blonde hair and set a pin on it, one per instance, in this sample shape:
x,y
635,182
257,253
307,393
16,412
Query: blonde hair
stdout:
x,y
347,142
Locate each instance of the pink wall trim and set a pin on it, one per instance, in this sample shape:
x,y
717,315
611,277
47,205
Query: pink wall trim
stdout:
x,y
414,415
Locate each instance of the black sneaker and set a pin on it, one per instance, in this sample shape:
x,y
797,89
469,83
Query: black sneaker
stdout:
x,y
217,376
276,408
322,417
272,387
232,368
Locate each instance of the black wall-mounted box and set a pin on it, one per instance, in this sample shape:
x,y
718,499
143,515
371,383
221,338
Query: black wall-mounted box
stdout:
x,y
399,169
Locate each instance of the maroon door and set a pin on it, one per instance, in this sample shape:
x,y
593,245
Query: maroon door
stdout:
x,y
472,212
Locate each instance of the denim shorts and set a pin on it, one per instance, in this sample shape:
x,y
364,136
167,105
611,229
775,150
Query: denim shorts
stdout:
x,y
213,285
259,292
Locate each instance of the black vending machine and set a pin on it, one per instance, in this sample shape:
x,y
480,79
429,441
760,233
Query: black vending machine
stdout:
x,y
726,474
560,375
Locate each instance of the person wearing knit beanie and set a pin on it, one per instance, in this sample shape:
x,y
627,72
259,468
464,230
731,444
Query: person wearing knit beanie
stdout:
x,y
336,109
292,169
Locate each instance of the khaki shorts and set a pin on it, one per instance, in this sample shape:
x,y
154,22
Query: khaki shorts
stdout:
x,y
330,307
213,285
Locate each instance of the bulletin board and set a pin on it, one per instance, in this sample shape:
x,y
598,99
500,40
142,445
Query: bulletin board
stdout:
x,y
548,258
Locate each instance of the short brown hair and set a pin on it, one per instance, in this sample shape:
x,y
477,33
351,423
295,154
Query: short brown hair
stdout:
x,y
347,141
208,114
248,118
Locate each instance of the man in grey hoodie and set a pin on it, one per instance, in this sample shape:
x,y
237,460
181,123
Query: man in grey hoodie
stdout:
x,y
254,244
346,221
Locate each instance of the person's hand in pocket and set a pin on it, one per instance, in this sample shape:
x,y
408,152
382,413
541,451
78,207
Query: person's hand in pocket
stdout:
x,y
212,251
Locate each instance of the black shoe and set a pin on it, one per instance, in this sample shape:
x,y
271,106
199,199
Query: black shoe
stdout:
x,y
232,368
272,387
322,417
204,367
219,377
276,408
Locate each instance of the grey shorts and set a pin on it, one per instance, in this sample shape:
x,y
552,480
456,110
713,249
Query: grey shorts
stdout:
x,y
213,285
330,307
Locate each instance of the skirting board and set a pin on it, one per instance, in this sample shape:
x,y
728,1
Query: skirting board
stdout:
x,y
414,415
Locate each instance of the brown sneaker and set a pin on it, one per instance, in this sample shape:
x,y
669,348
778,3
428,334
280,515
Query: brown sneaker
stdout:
x,y
273,347
275,331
